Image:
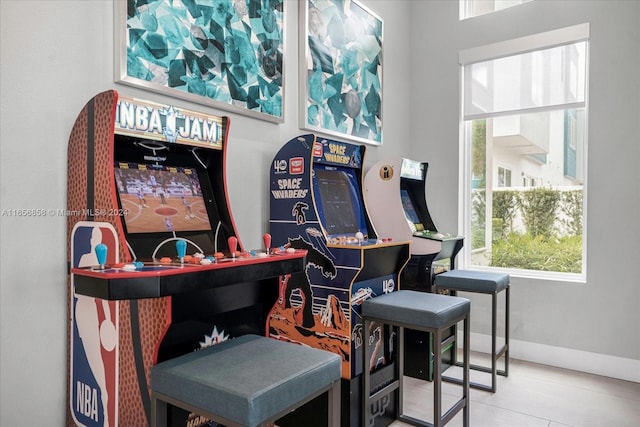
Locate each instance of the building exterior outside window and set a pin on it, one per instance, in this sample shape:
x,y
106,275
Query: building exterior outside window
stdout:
x,y
524,148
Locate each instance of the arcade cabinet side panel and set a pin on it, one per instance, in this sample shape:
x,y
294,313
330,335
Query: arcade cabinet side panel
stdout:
x,y
80,204
382,199
94,325
304,312
291,206
91,198
147,321
291,196
313,306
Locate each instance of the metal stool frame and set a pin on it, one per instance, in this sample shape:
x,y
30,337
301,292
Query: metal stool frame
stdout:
x,y
495,354
438,418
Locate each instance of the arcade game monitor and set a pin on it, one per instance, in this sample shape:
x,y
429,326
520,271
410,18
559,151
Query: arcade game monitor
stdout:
x,y
339,202
162,202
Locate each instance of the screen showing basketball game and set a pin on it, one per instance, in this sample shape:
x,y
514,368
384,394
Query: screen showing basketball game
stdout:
x,y
160,198
340,205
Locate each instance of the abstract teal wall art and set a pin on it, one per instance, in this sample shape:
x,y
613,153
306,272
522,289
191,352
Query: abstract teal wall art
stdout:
x,y
227,54
341,70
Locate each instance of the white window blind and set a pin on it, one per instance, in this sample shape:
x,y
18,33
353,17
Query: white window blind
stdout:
x,y
542,72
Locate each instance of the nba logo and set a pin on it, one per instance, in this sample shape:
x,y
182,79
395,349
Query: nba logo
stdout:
x,y
94,334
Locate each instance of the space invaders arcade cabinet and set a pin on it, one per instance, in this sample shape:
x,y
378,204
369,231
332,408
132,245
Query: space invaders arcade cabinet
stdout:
x,y
156,268
317,205
395,194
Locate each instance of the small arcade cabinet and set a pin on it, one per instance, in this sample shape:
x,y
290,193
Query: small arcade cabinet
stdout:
x,y
156,268
317,205
395,195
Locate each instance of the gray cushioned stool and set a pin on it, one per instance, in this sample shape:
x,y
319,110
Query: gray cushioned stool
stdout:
x,y
424,312
483,282
247,381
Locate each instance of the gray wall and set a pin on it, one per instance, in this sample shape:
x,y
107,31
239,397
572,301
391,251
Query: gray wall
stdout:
x,y
55,55
602,315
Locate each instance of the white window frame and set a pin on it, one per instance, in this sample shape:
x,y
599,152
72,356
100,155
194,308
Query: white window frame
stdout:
x,y
466,7
498,50
507,176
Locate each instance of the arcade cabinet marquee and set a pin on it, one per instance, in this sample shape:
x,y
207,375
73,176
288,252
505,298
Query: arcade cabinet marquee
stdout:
x,y
156,268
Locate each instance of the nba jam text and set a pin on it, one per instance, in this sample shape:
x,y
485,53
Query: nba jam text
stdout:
x,y
161,122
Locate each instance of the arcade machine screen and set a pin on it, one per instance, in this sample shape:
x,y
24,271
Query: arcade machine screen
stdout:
x,y
340,205
410,211
160,201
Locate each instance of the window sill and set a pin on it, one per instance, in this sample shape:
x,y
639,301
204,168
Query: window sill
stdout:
x,y
547,276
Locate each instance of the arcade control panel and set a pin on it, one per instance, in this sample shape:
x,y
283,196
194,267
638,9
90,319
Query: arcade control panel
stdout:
x,y
358,239
184,273
434,235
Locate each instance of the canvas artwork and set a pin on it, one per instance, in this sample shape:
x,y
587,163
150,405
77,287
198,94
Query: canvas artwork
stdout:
x,y
341,70
223,53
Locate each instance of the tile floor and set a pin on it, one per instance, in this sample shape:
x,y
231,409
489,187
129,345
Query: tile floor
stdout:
x,y
535,396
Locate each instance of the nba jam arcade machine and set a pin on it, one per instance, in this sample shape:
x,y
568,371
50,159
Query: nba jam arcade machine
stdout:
x,y
317,205
156,268
395,194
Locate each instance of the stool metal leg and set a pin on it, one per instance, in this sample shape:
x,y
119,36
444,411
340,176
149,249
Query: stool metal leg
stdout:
x,y
506,331
504,350
158,412
400,372
465,369
494,331
366,380
334,405
439,419
495,353
437,378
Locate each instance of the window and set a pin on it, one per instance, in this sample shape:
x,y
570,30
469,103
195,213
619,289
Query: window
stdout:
x,y
529,181
472,8
524,112
504,177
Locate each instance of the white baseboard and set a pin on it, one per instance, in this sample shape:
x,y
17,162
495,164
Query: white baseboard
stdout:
x,y
577,360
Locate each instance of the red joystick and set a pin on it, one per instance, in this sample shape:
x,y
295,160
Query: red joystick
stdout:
x,y
267,241
233,245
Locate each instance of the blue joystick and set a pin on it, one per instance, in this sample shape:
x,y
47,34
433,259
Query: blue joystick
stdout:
x,y
101,254
181,247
